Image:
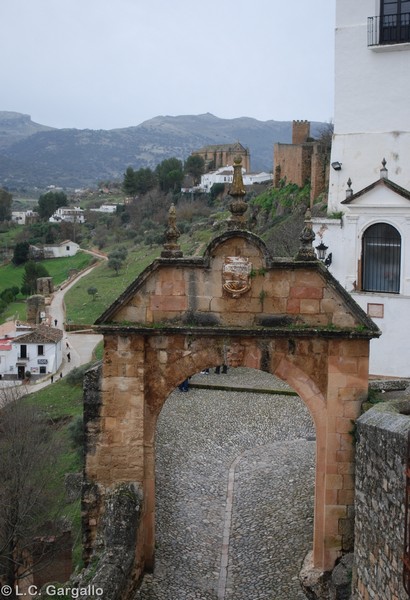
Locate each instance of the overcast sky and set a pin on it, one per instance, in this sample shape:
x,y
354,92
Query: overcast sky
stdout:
x,y
102,64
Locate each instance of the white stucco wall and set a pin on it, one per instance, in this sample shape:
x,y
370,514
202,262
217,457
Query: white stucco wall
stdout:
x,y
371,122
51,358
390,354
61,250
372,118
5,362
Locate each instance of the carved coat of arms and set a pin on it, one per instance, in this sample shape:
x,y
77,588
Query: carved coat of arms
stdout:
x,y
236,275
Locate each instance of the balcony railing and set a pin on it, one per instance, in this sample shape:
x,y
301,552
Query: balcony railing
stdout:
x,y
25,357
389,29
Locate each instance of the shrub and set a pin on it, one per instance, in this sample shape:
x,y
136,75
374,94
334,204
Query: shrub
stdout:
x,y
76,376
76,434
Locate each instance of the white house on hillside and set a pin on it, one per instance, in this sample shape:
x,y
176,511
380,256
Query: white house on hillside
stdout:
x,y
225,175
68,214
66,248
38,352
24,217
109,209
370,174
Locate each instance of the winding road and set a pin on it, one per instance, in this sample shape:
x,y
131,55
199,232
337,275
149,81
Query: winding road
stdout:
x,y
79,346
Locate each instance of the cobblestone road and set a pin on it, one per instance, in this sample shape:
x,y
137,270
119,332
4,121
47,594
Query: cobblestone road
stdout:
x,y
261,444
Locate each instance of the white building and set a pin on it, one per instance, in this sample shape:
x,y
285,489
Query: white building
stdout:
x,y
225,176
38,352
370,243
68,214
21,217
106,208
66,248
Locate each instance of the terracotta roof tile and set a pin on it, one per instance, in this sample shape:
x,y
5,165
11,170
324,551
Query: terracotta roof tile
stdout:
x,y
42,335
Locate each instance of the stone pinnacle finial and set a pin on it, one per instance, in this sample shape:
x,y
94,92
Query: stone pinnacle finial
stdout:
x,y
306,250
349,191
171,248
384,174
238,206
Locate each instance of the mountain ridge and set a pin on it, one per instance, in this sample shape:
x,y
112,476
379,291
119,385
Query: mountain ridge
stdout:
x,y
35,155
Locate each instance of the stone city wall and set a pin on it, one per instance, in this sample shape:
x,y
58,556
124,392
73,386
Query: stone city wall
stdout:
x,y
380,494
294,162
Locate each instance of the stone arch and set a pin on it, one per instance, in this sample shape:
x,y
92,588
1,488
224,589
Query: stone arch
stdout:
x,y
280,366
300,381
287,317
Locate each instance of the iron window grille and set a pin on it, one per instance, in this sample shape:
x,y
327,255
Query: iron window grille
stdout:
x,y
392,26
381,258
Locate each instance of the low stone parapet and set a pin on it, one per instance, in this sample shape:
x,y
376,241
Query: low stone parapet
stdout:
x,y
381,458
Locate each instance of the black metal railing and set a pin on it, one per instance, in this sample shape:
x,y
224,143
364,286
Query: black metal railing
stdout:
x,y
388,29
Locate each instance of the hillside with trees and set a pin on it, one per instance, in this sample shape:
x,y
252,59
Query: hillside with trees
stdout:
x,y
33,155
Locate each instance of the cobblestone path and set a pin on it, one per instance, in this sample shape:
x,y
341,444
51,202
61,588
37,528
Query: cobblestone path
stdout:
x,y
263,444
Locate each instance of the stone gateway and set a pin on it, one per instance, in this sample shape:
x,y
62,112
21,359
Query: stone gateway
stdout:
x,y
289,318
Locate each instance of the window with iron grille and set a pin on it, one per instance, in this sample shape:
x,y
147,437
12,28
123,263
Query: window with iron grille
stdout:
x,y
394,21
392,25
381,257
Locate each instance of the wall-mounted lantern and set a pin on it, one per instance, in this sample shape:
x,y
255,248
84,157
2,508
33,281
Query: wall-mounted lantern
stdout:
x,y
336,165
321,254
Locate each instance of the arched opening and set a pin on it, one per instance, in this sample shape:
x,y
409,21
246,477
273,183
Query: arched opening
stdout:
x,y
235,470
381,258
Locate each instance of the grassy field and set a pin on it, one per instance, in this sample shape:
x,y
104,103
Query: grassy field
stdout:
x,y
58,268
8,237
82,309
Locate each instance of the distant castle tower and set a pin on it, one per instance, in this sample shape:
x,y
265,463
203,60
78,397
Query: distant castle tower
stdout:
x,y
302,161
300,132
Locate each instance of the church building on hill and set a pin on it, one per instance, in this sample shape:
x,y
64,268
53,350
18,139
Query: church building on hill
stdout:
x,y
223,155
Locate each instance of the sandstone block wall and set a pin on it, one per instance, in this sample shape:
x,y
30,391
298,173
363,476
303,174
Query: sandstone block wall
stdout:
x,y
380,493
319,179
293,162
45,286
300,132
35,305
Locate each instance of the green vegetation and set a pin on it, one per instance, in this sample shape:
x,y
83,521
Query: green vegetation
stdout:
x,y
5,205
92,291
117,258
58,401
49,202
170,174
288,196
61,405
21,253
99,351
32,272
195,166
39,429
58,268
138,182
82,309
